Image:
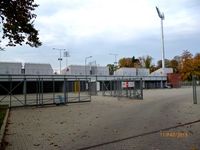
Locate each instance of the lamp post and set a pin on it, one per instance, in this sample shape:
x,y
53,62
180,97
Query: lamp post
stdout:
x,y
60,58
66,54
162,17
86,63
115,55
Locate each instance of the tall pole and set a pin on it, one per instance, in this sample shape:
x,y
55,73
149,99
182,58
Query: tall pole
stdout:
x,y
163,46
60,58
162,17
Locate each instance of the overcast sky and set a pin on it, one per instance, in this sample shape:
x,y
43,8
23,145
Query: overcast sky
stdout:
x,y
99,27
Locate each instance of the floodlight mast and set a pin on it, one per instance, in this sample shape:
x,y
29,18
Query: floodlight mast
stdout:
x,y
162,17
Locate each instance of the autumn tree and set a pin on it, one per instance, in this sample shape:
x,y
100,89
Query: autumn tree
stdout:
x,y
129,62
196,64
17,22
187,69
174,65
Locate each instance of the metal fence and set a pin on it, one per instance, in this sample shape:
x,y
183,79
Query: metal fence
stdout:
x,y
43,90
123,88
196,89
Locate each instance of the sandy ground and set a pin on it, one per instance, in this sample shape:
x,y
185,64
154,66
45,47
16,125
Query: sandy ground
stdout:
x,y
110,123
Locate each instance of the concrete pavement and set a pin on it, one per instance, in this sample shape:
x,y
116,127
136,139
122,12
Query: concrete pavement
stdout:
x,y
109,123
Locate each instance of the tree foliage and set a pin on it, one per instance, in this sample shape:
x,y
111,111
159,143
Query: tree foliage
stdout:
x,y
17,20
112,68
129,62
146,61
190,65
185,64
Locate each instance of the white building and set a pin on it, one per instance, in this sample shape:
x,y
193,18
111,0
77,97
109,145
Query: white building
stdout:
x,y
38,69
10,68
85,70
132,72
161,72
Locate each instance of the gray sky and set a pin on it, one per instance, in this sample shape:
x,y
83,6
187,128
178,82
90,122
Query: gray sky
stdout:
x,y
99,27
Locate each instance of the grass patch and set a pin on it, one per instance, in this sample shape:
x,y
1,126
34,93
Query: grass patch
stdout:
x,y
3,109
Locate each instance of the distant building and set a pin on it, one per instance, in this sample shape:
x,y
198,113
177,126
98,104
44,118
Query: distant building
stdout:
x,y
10,68
85,70
132,72
37,69
161,72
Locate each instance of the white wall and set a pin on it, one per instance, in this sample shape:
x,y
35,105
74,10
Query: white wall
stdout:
x,y
38,69
125,72
161,72
80,70
132,72
10,68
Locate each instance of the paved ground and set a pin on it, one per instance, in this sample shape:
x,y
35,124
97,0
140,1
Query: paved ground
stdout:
x,y
109,123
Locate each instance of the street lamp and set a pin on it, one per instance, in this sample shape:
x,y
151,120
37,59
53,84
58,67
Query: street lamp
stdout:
x,y
86,63
60,58
115,55
66,54
162,17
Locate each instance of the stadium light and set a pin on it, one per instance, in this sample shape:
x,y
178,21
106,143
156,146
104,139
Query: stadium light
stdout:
x,y
162,17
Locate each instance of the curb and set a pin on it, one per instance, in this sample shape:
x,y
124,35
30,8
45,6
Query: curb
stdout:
x,y
2,131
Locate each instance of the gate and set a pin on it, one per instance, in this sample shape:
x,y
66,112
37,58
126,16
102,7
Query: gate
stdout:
x,y
43,90
123,88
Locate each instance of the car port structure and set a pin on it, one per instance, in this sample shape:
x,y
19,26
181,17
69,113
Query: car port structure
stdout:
x,y
39,90
32,90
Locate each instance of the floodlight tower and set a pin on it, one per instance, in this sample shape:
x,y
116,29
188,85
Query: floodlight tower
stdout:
x,y
162,17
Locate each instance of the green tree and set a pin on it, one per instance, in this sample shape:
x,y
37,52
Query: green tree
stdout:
x,y
167,63
112,68
17,20
146,61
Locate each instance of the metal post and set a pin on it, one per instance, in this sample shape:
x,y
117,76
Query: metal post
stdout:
x,y
42,86
64,90
10,93
24,91
141,88
53,90
79,94
67,90
194,90
90,89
